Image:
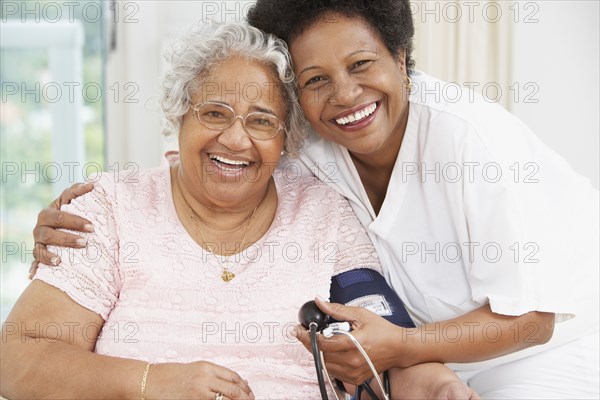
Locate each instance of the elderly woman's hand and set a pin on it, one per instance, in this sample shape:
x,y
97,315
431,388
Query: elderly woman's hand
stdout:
x,y
52,218
197,380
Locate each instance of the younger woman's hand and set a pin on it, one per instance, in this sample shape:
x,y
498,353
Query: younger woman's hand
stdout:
x,y
52,218
375,334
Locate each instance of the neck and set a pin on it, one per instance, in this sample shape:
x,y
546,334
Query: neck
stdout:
x,y
228,229
375,168
384,157
219,218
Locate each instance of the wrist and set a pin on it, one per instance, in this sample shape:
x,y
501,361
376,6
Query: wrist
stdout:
x,y
144,382
159,382
415,348
403,348
127,380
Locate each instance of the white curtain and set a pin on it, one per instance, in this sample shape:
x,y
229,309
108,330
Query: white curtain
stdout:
x,y
467,42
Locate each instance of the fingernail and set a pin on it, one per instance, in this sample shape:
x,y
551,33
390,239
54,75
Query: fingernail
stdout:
x,y
81,242
320,298
88,228
55,261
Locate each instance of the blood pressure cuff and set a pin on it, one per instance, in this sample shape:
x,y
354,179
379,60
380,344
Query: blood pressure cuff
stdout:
x,y
368,289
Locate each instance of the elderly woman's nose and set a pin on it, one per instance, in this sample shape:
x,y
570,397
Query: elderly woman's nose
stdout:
x,y
235,137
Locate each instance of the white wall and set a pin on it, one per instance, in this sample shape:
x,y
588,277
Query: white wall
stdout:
x,y
560,54
143,31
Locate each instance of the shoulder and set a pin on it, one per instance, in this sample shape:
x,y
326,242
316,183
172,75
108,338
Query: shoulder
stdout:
x,y
125,188
454,118
307,201
303,189
455,107
452,99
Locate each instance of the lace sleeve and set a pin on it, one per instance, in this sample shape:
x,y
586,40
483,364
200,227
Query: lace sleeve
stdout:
x,y
90,276
355,249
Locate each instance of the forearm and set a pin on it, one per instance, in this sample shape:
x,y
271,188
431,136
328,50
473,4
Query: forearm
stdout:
x,y
475,336
428,381
45,368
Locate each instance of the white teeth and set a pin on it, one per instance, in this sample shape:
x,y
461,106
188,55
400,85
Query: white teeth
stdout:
x,y
358,115
228,161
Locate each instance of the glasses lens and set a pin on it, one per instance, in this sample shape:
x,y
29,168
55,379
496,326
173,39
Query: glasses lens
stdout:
x,y
215,116
262,125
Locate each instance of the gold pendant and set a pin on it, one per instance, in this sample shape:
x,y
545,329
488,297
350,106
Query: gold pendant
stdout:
x,y
227,275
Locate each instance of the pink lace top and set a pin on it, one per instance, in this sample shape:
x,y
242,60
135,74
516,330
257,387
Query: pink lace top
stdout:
x,y
162,296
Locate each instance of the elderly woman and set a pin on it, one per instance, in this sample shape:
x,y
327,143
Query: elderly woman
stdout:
x,y
188,263
195,271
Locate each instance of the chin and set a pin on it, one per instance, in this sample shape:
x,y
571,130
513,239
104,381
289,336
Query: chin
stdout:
x,y
364,145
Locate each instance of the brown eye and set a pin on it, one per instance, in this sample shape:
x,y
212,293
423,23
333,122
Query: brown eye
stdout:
x,y
214,114
359,64
314,80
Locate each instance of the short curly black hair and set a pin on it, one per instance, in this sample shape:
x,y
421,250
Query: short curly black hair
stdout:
x,y
390,19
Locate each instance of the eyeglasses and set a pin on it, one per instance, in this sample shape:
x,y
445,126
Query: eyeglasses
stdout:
x,y
217,116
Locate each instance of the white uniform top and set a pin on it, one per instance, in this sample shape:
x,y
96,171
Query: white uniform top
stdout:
x,y
478,210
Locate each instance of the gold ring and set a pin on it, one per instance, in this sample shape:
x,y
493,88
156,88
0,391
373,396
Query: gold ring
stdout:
x,y
218,396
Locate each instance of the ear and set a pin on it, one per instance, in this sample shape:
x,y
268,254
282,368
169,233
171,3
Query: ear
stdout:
x,y
401,60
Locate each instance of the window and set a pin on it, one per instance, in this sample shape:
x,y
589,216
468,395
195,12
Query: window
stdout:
x,y
51,118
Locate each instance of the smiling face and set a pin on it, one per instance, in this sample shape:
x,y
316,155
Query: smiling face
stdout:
x,y
227,168
352,90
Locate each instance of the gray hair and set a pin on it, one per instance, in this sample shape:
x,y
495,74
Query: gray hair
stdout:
x,y
204,47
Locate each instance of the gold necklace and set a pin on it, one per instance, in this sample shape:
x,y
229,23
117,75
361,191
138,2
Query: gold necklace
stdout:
x,y
226,274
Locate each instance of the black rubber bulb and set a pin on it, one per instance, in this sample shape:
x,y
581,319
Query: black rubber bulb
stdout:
x,y
309,312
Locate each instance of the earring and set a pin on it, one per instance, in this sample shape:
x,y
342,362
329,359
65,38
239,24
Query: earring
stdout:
x,y
408,83
282,152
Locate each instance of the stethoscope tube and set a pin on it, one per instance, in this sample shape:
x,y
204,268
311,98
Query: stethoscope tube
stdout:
x,y
317,357
384,386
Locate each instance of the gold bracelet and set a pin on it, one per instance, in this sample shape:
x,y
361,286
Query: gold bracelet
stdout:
x,y
144,380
